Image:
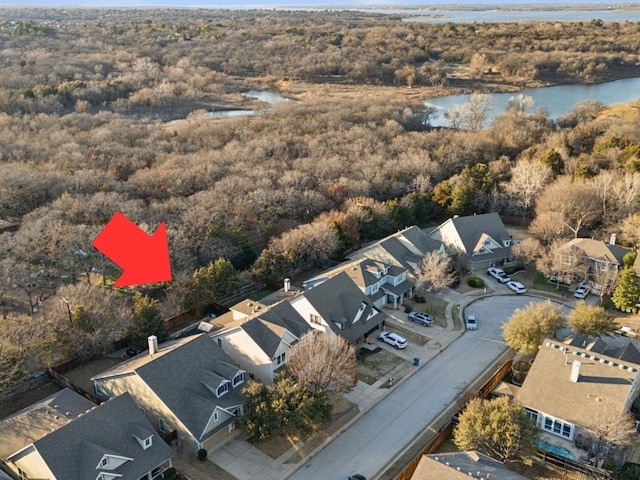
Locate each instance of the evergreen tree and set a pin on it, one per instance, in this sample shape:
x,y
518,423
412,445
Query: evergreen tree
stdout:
x,y
626,296
147,320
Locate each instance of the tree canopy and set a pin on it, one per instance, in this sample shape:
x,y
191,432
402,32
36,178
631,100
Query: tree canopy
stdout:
x,y
528,327
626,295
284,408
323,363
499,428
591,320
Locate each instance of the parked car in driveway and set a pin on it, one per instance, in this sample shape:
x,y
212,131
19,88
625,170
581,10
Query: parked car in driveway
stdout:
x,y
357,476
421,318
393,339
516,286
498,274
472,323
581,292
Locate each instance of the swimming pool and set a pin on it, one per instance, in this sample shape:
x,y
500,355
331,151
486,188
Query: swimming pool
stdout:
x,y
556,450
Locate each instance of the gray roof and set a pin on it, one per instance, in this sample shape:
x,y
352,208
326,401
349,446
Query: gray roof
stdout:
x,y
37,420
601,392
462,466
598,250
474,228
338,301
73,451
622,349
179,375
267,328
404,248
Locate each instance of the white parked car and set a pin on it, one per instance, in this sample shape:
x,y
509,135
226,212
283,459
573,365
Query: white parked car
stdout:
x,y
516,286
581,292
498,274
393,339
472,323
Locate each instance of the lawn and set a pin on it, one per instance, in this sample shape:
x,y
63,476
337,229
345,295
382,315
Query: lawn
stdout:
x,y
540,282
374,364
434,306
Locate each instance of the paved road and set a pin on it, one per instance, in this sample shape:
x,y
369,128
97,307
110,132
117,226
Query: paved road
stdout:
x,y
377,437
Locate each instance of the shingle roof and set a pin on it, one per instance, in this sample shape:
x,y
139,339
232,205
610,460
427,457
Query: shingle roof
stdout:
x,y
404,248
73,451
37,420
175,374
602,390
475,228
462,466
598,250
339,301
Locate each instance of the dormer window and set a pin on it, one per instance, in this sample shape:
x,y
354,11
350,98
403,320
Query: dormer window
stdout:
x,y
238,379
147,443
222,389
105,461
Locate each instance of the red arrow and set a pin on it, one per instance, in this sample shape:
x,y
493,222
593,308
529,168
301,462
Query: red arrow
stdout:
x,y
143,257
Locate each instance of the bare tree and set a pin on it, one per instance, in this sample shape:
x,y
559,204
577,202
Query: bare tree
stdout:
x,y
561,263
527,251
434,273
323,363
575,204
528,179
476,111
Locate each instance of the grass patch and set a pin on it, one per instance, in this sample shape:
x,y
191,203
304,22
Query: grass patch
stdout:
x,y
371,365
410,335
81,376
541,282
343,412
434,306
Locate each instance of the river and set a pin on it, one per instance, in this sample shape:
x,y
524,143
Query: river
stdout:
x,y
557,100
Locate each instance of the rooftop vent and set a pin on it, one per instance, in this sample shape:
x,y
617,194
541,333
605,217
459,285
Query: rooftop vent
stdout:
x,y
575,371
153,344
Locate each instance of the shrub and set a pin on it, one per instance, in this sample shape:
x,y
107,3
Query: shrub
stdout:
x,y
419,299
407,309
202,454
170,474
475,282
511,269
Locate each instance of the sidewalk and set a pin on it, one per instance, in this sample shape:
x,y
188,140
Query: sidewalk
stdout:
x,y
246,462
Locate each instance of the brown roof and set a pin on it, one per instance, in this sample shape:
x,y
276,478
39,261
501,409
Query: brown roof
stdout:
x,y
598,250
462,466
603,387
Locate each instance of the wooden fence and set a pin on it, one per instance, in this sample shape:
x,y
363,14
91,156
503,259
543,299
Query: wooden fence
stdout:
x,y
565,466
64,382
445,431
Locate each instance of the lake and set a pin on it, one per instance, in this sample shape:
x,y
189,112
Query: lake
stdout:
x,y
557,100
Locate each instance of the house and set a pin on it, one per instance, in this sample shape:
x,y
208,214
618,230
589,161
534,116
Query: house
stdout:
x,y
461,466
592,261
576,386
404,249
67,437
260,343
478,241
338,306
383,283
190,389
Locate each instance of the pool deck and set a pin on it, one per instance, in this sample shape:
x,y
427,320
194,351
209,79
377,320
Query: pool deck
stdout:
x,y
577,454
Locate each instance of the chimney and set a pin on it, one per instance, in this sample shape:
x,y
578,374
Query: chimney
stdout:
x,y
287,285
612,239
153,344
575,371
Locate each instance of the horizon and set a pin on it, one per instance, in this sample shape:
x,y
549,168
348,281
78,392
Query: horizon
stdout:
x,y
226,4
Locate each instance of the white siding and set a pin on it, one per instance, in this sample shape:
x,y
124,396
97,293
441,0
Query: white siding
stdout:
x,y
244,351
305,309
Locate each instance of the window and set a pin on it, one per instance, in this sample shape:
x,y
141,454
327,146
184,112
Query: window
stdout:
x,y
99,390
162,425
215,416
21,474
219,342
238,379
280,358
558,427
147,442
105,461
315,319
222,389
532,414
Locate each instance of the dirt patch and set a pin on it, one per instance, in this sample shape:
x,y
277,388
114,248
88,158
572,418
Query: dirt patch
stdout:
x,y
81,376
21,400
374,364
194,469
